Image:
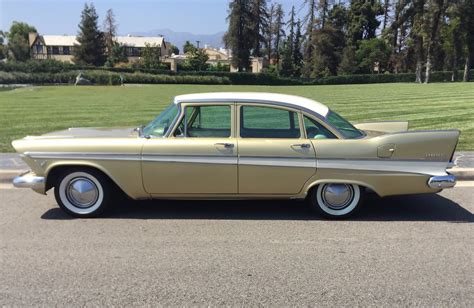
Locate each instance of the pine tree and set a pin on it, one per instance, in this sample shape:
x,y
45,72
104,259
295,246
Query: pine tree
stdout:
x,y
417,36
110,30
323,12
297,50
269,35
259,25
308,46
452,33
287,68
279,32
435,11
91,47
188,47
238,34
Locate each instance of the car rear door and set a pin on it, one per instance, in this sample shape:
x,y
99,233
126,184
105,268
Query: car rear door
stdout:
x,y
199,159
274,155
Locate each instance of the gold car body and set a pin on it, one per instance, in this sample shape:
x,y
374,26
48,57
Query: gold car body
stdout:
x,y
388,159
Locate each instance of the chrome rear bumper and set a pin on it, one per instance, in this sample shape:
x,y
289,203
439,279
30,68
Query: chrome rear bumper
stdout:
x,y
29,180
442,181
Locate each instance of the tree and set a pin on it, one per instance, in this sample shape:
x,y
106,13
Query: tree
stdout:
x,y
110,29
348,64
173,50
292,55
386,11
327,52
18,44
370,53
287,68
116,54
452,35
196,60
323,7
291,24
259,24
467,21
151,56
362,20
188,46
297,50
279,32
308,47
417,36
3,50
237,36
435,11
269,34
91,47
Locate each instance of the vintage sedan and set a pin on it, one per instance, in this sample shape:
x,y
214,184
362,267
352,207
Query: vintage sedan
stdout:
x,y
238,146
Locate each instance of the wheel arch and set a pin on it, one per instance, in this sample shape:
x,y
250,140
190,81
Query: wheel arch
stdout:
x,y
54,171
316,183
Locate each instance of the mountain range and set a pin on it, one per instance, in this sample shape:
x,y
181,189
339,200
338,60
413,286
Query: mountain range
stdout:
x,y
179,38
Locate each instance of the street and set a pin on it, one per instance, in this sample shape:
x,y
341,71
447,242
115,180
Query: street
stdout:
x,y
404,250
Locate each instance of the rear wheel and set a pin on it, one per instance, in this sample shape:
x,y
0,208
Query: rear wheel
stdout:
x,y
83,193
336,200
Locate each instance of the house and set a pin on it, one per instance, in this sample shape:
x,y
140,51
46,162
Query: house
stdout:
x,y
61,47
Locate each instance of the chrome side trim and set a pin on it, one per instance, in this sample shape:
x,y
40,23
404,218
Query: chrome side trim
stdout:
x,y
442,182
419,167
278,161
434,168
79,156
214,159
29,180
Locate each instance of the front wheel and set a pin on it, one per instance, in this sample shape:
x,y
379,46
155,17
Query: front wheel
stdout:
x,y
83,193
336,200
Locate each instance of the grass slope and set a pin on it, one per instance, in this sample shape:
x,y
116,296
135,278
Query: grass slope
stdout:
x,y
37,110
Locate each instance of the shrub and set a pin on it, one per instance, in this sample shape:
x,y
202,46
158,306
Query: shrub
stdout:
x,y
105,78
37,66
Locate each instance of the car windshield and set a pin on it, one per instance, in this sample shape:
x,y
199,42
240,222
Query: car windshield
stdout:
x,y
160,125
343,126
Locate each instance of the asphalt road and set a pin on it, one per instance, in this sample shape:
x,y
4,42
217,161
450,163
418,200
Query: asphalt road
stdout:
x,y
410,250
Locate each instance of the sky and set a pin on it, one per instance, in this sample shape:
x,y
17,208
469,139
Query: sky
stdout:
x,y
62,17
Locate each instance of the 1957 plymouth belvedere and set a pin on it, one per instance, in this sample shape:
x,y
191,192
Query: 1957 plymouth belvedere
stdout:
x,y
237,146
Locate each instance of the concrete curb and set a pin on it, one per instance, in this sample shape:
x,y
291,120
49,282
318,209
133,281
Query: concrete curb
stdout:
x,y
461,174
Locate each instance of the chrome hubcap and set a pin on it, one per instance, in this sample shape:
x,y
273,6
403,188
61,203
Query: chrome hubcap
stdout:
x,y
82,192
337,196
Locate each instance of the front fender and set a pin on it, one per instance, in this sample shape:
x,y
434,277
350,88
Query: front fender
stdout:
x,y
127,176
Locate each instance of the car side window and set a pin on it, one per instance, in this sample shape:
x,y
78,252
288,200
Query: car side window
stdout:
x,y
268,122
205,122
315,130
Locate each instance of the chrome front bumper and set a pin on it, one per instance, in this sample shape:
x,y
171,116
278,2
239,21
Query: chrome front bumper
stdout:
x,y
29,180
442,181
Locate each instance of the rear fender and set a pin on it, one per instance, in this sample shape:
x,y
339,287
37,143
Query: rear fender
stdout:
x,y
384,127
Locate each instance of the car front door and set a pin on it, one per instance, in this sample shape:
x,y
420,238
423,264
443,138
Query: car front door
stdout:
x,y
274,155
199,158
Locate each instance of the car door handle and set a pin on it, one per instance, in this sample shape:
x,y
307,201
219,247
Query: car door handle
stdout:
x,y
302,145
225,144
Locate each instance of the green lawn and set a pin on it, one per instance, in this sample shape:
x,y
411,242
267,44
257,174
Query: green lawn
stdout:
x,y
36,110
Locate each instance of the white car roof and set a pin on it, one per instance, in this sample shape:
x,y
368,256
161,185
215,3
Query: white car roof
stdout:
x,y
256,97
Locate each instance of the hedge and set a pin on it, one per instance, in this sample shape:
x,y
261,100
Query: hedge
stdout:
x,y
443,76
52,71
105,78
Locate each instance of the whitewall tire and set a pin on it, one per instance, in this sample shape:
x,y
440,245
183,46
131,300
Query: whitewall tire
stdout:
x,y
83,193
336,200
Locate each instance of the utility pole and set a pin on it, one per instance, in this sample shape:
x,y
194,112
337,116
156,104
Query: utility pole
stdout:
x,y
197,43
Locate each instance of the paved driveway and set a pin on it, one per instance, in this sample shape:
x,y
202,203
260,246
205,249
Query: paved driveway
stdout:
x,y
409,250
